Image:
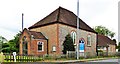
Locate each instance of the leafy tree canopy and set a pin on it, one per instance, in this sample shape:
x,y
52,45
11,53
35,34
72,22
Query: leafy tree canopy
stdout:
x,y
12,45
3,40
104,31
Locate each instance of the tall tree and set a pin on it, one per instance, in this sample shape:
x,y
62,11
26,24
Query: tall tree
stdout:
x,y
16,40
68,44
104,31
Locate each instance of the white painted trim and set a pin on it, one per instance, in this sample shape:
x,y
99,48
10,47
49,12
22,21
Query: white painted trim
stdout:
x,y
81,50
73,35
42,46
54,48
89,36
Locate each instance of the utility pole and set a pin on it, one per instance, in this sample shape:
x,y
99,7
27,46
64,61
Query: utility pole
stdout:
x,y
22,21
77,43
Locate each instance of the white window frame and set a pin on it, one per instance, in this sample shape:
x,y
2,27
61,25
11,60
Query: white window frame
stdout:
x,y
42,46
89,38
32,36
54,48
73,35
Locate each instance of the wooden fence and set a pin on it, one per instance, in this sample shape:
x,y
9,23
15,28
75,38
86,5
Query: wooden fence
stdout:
x,y
34,58
23,58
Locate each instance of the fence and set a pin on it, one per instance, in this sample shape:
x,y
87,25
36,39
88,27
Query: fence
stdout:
x,y
108,54
71,54
35,58
23,58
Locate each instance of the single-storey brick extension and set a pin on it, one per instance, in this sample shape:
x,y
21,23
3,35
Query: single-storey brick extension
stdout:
x,y
47,35
105,44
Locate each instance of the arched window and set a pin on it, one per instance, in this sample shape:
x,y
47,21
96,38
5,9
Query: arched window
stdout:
x,y
25,45
89,40
73,35
24,39
32,36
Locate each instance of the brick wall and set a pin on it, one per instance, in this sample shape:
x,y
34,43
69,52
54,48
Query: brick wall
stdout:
x,y
21,42
111,48
34,47
56,35
64,30
51,32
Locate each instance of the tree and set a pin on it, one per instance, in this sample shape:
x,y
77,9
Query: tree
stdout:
x,y
12,45
112,34
5,48
68,44
2,40
115,43
104,31
118,47
16,41
115,40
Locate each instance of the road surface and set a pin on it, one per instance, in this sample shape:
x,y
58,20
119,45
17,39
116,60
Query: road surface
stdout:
x,y
109,61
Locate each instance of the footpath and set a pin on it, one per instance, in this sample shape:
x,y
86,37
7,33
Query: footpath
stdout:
x,y
80,60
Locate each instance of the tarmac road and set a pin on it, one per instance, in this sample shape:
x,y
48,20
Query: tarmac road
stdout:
x,y
108,61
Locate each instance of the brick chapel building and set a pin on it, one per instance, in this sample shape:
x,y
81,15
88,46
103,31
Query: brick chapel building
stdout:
x,y
47,35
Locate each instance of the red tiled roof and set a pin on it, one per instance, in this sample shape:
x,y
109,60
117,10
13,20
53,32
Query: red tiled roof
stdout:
x,y
104,41
37,35
63,16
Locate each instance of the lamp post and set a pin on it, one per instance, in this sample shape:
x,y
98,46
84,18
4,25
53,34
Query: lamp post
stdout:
x,y
77,43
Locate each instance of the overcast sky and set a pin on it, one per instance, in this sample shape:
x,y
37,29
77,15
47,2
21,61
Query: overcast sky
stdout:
x,y
92,12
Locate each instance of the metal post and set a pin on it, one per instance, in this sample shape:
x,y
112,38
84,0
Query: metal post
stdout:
x,y
22,21
77,47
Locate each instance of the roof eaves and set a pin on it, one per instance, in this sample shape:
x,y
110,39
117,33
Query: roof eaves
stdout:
x,y
42,25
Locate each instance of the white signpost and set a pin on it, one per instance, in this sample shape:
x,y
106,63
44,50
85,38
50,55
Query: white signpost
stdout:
x,y
14,54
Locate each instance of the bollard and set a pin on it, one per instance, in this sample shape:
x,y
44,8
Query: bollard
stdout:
x,y
14,55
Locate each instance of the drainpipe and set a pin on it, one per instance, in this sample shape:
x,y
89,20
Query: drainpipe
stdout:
x,y
47,47
97,45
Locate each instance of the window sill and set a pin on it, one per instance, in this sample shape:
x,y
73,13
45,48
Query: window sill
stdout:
x,y
88,45
40,51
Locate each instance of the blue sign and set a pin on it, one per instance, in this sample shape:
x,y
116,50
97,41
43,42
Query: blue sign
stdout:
x,y
81,46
